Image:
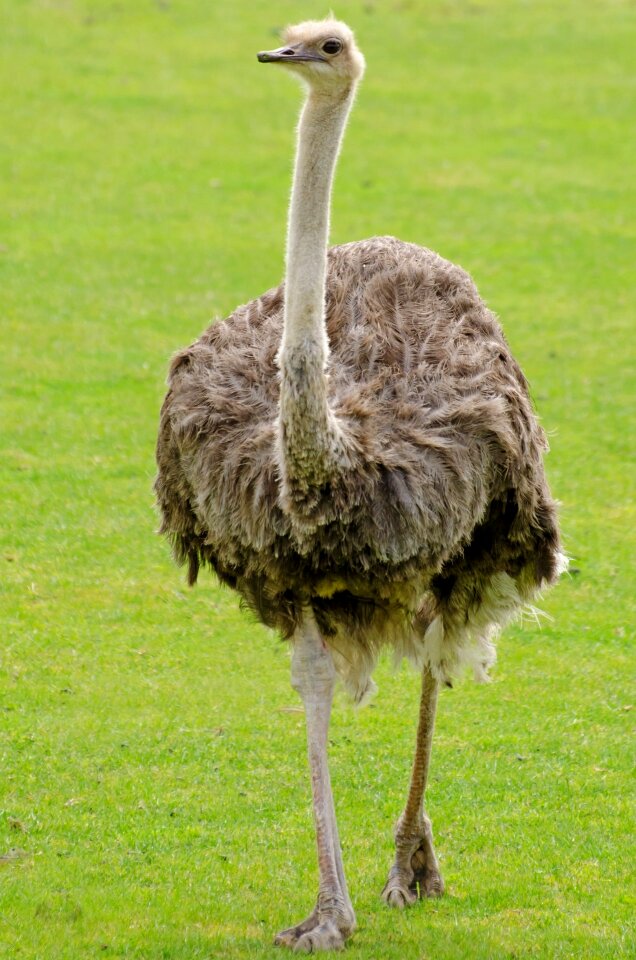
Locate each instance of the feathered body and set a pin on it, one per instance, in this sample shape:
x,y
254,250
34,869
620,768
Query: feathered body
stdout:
x,y
436,524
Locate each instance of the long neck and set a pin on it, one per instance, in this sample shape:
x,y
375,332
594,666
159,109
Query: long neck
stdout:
x,y
311,442
320,131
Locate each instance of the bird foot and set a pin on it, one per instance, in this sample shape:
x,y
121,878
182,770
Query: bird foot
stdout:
x,y
413,878
398,892
317,932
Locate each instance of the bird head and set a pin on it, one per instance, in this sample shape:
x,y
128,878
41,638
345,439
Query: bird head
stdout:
x,y
323,53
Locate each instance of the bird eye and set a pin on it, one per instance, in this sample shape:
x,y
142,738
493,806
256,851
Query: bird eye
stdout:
x,y
332,46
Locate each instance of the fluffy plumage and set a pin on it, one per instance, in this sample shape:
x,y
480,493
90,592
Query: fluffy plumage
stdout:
x,y
436,523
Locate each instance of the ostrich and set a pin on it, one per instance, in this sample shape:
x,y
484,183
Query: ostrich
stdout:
x,y
355,452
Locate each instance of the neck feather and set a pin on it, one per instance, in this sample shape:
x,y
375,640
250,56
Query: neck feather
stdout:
x,y
311,442
322,124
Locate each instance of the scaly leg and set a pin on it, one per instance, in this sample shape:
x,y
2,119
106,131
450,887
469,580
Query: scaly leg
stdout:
x,y
332,919
415,871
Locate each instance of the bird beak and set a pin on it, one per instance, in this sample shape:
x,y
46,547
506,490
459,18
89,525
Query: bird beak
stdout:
x,y
293,54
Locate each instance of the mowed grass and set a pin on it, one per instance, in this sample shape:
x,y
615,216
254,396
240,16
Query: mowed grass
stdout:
x,y
154,801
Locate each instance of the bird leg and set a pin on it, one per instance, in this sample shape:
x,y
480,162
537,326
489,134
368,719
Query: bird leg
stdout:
x,y
415,871
332,919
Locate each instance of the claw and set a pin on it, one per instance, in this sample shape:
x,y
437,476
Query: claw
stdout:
x,y
325,936
314,935
398,894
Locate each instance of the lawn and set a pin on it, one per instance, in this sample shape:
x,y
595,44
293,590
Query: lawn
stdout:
x,y
154,801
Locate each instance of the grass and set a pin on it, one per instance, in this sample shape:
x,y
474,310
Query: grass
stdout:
x,y
154,801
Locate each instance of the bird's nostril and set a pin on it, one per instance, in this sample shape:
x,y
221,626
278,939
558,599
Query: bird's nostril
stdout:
x,y
288,52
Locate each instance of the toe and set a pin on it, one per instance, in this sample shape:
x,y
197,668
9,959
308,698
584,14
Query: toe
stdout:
x,y
290,936
428,882
286,938
326,936
432,884
398,895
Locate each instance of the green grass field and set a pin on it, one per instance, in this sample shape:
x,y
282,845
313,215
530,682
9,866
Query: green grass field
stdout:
x,y
154,801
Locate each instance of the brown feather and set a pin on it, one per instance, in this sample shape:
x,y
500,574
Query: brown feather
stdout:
x,y
443,494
